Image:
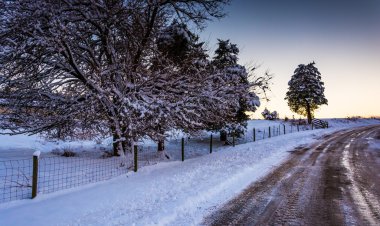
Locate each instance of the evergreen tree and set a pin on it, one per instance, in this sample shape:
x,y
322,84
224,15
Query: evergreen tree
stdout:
x,y
226,55
179,49
178,45
306,91
225,59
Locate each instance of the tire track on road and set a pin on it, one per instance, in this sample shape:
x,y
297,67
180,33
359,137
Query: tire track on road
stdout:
x,y
308,188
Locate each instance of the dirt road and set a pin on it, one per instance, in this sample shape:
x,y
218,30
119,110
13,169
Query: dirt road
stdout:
x,y
333,182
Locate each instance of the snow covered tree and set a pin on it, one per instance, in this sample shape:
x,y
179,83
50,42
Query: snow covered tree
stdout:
x,y
225,62
226,55
180,50
88,64
306,91
269,115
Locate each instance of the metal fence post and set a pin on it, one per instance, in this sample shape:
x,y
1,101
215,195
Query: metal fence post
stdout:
x,y
254,134
210,143
183,149
36,156
135,157
269,133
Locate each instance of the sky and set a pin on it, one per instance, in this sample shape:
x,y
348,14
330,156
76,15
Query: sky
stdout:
x,y
341,36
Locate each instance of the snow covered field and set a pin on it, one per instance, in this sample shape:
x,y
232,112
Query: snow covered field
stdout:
x,y
168,193
19,146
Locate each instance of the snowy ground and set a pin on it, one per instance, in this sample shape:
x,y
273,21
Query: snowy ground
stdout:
x,y
168,193
23,146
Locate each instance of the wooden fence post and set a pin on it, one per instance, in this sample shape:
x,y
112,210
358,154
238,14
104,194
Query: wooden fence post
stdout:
x,y
284,129
135,157
233,138
211,144
254,134
36,156
183,149
298,128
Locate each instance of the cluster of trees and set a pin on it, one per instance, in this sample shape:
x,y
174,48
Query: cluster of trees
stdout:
x,y
269,115
126,68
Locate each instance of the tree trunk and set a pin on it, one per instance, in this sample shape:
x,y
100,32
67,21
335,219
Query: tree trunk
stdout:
x,y
114,141
308,111
59,134
117,142
223,135
114,145
161,145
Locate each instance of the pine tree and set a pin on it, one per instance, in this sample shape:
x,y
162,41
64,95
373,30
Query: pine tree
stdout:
x,y
178,45
178,48
226,55
306,91
225,60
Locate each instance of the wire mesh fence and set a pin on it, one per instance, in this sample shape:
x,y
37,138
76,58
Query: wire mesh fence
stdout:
x,y
195,147
263,133
57,172
15,179
149,156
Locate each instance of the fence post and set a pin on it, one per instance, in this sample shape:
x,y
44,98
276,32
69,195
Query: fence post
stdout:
x,y
284,129
269,133
135,157
183,149
211,144
298,128
36,156
279,129
233,138
254,134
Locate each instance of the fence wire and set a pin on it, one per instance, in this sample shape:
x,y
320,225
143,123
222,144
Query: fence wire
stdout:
x,y
15,179
57,172
263,133
149,156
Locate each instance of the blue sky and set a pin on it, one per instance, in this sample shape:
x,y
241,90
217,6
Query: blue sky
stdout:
x,y
341,36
